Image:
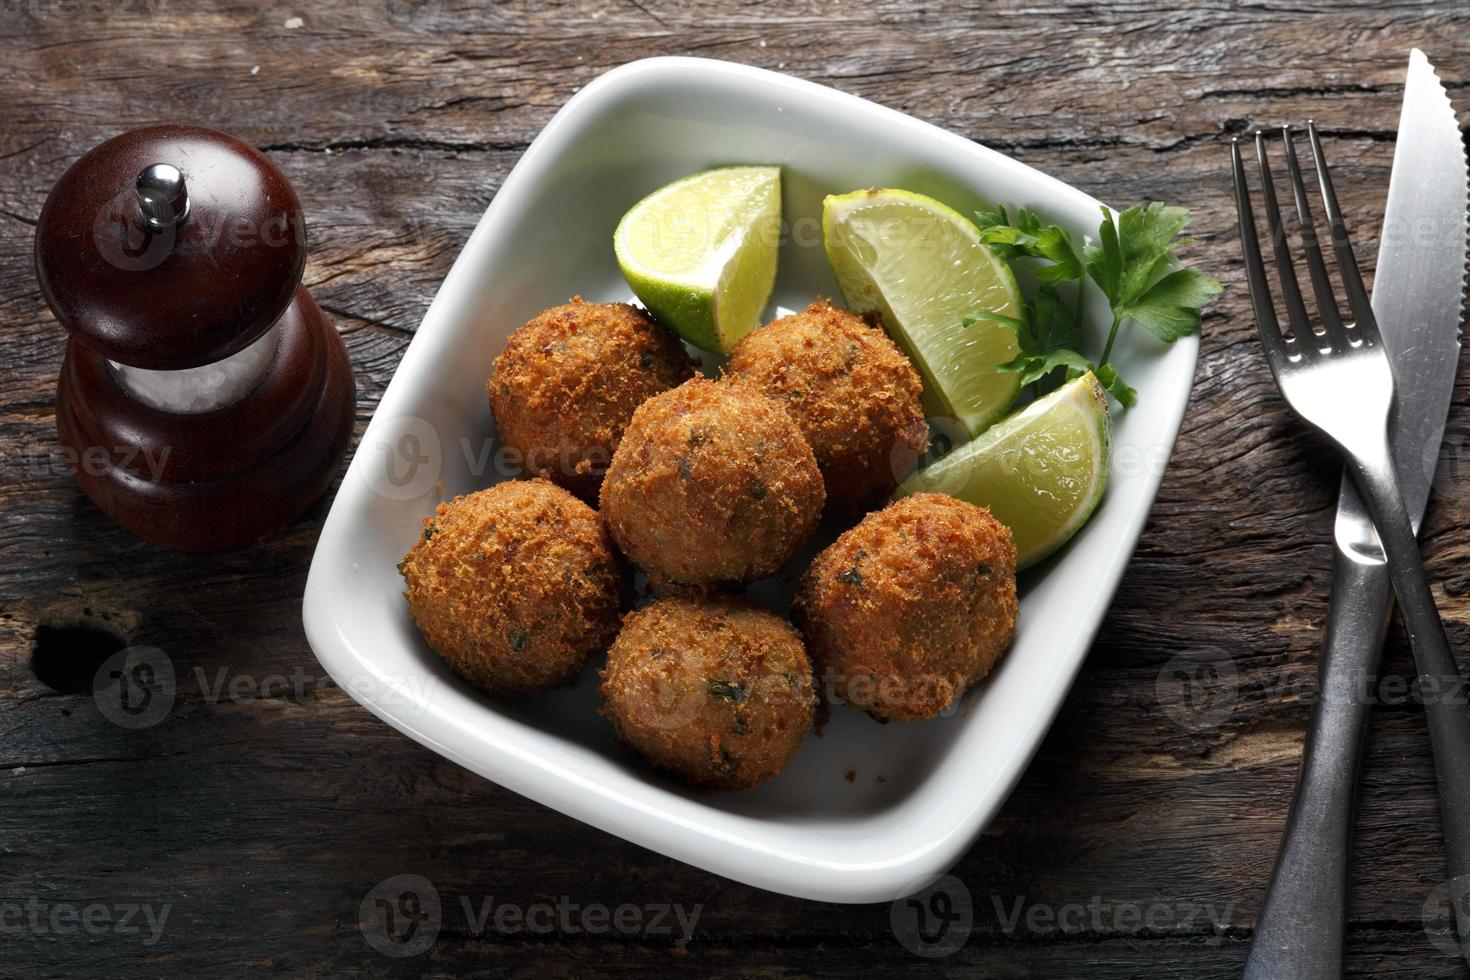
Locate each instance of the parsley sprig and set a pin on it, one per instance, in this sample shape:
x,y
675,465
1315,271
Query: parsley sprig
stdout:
x,y
1133,263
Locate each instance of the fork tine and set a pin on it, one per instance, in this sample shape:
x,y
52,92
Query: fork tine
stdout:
x,y
1342,246
1291,294
1316,268
1255,269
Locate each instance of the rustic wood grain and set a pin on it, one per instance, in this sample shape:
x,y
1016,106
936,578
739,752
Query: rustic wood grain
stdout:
x,y
263,820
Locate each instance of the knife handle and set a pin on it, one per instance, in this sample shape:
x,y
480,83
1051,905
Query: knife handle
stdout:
x,y
1440,681
1299,934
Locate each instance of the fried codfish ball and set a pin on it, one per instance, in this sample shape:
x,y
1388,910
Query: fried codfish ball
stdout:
x,y
567,383
907,610
852,391
715,690
712,483
516,586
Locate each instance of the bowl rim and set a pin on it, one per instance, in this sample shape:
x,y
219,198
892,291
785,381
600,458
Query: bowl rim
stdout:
x,y
546,779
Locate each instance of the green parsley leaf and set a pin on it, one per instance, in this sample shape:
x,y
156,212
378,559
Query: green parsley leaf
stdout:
x,y
1034,368
1048,337
1135,266
1107,376
1105,260
1054,325
1001,318
1028,237
1170,308
1147,233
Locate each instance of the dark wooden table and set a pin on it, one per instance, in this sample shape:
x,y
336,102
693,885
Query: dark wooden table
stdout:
x,y
267,805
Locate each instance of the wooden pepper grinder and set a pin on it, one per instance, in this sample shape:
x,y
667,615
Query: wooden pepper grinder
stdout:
x,y
204,400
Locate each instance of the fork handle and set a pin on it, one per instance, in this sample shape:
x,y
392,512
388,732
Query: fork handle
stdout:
x,y
1299,934
1441,685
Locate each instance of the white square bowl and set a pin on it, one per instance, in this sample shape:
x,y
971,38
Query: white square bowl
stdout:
x,y
810,832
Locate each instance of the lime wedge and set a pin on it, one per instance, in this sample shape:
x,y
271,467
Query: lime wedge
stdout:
x,y
923,267
701,252
1041,471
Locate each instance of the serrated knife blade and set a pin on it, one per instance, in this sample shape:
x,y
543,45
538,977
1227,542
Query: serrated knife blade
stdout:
x,y
1419,282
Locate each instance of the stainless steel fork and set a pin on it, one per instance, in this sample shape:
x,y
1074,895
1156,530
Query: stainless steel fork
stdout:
x,y
1340,382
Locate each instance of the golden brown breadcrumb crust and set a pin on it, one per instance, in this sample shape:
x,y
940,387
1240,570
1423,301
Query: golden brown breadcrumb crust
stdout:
x,y
713,482
852,391
715,690
566,384
516,586
907,610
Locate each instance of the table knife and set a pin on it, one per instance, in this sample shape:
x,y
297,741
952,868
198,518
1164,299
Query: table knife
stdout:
x,y
1417,296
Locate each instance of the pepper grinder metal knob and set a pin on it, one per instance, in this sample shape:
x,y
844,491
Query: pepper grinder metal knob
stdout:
x,y
163,197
